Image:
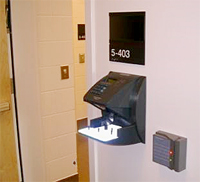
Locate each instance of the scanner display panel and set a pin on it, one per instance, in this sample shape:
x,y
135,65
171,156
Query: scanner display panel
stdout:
x,y
107,87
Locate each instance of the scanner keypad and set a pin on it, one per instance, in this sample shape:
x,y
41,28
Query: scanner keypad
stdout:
x,y
99,89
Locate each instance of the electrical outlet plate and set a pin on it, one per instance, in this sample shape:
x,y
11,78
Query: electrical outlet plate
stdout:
x,y
64,72
81,58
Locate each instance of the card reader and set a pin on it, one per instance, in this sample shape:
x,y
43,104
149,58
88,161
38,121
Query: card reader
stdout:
x,y
170,150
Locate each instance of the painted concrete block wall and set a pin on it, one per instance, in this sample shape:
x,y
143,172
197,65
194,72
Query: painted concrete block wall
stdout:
x,y
55,48
24,33
42,41
173,86
79,48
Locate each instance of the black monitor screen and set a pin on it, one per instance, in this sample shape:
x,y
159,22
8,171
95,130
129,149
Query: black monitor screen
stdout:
x,y
127,26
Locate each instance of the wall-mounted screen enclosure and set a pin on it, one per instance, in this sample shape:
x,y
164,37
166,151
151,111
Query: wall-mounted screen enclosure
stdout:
x,y
127,37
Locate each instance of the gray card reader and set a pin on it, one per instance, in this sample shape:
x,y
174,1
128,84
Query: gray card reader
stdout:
x,y
169,150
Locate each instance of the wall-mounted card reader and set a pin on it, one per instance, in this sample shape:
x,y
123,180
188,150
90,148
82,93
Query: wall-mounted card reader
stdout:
x,y
170,150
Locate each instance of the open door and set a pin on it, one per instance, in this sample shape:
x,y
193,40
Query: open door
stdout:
x,y
8,142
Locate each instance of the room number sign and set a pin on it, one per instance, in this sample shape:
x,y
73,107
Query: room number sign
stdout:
x,y
123,53
127,53
127,37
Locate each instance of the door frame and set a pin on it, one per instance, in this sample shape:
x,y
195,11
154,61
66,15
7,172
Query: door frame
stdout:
x,y
13,94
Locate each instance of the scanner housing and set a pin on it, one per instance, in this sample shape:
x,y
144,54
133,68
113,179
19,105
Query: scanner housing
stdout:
x,y
122,99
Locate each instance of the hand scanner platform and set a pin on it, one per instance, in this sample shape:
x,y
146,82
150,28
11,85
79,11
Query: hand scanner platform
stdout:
x,y
121,97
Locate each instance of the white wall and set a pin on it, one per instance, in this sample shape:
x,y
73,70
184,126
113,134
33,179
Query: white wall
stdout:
x,y
27,86
78,8
42,42
57,97
173,86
